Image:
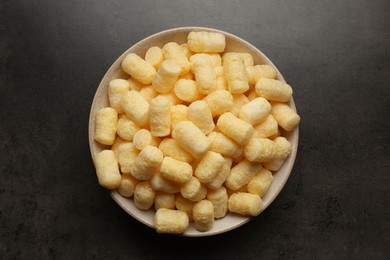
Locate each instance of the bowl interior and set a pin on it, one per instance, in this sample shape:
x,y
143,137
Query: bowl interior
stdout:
x,y
179,35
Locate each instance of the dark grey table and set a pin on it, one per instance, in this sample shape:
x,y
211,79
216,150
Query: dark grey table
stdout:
x,y
335,54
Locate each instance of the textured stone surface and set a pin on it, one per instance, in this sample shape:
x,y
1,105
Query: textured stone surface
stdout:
x,y
336,56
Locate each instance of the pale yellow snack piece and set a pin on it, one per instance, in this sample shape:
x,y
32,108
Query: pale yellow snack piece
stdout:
x,y
148,93
260,150
169,147
160,117
127,186
143,138
206,42
260,71
127,153
107,170
115,146
172,51
252,95
116,89
186,90
218,180
220,82
248,59
235,73
126,128
199,113
171,97
175,170
219,198
287,118
138,68
147,163
170,221
235,128
106,122
238,101
178,113
187,52
204,75
219,102
260,183
220,143
166,76
203,215
136,107
214,57
135,84
164,200
274,90
241,174
154,56
184,205
245,204
193,190
283,150
191,138
159,183
268,127
144,195
255,111
209,166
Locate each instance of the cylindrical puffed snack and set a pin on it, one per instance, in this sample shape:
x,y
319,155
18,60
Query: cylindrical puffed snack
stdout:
x,y
172,51
143,138
285,116
219,198
138,68
203,214
178,113
135,84
175,170
274,90
107,170
126,128
164,200
116,89
146,163
106,122
238,101
144,195
127,185
245,204
218,180
209,166
169,147
159,183
160,117
199,113
260,150
241,174
136,107
193,190
224,145
220,82
260,71
214,57
127,153
148,93
235,73
154,56
166,76
170,221
235,128
191,138
219,102
255,111
268,127
283,147
206,42
186,90
204,75
260,183
115,146
184,205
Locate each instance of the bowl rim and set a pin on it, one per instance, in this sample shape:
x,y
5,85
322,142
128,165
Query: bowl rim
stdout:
x,y
291,103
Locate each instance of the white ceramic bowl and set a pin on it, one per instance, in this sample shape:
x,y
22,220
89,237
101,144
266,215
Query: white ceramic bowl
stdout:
x,y
179,35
